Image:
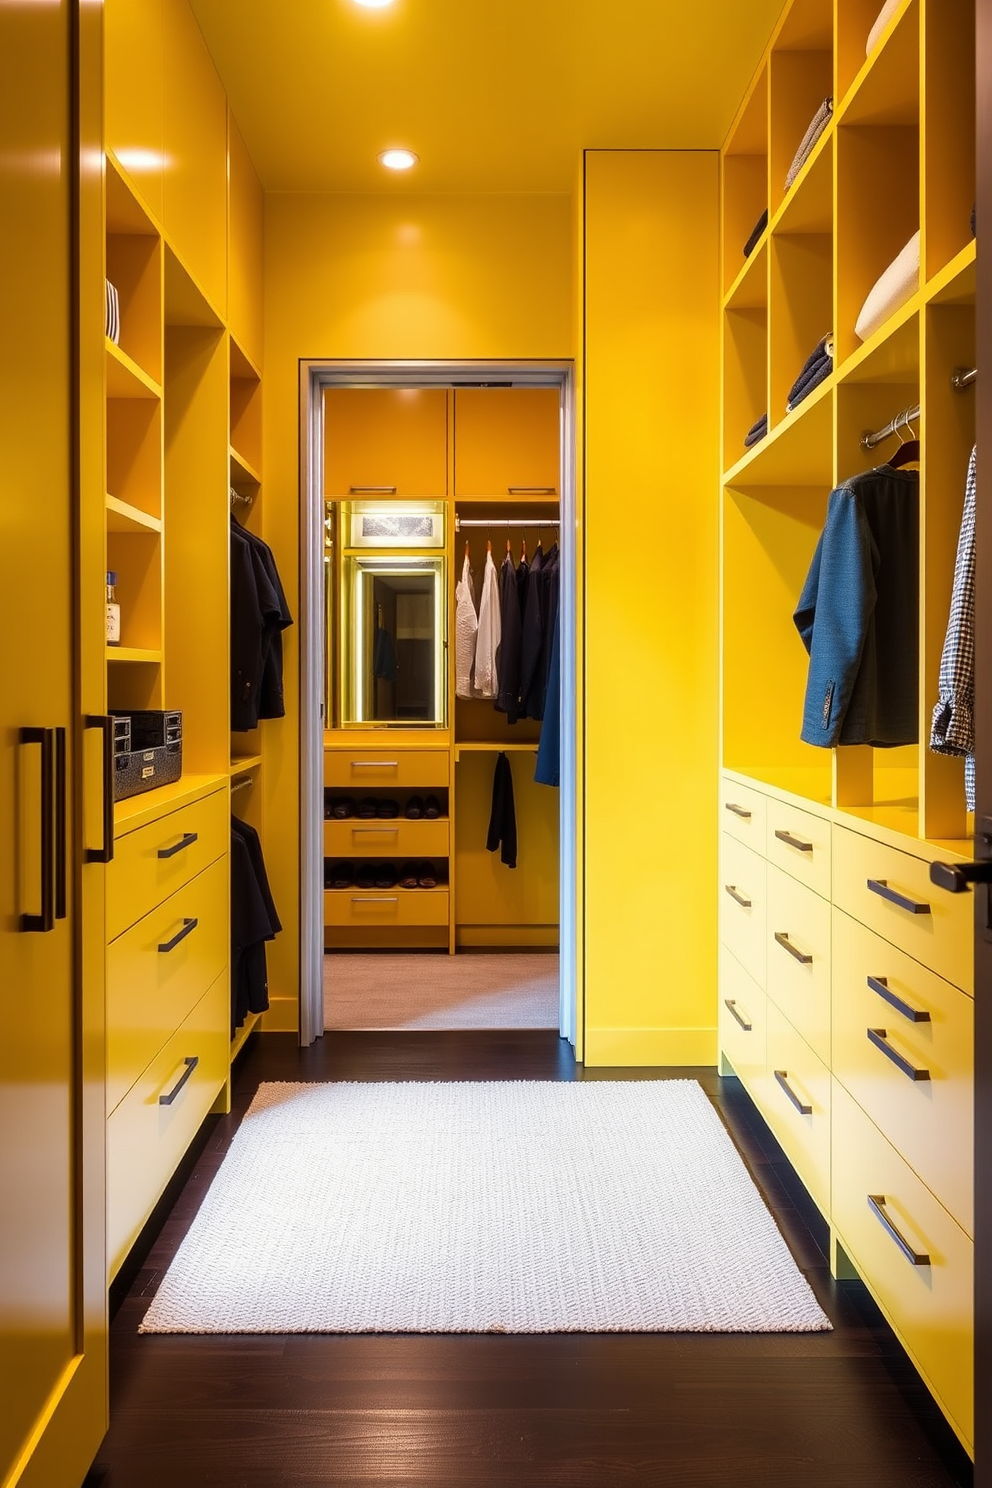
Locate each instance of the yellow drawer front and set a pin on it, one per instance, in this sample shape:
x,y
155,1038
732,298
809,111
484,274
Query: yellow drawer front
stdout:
x,y
151,990
146,1138
903,1044
375,908
376,769
742,905
799,842
742,814
153,861
742,1021
794,1099
798,943
904,906
386,839
929,1305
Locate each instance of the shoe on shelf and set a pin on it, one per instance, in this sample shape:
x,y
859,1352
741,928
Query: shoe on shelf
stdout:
x,y
365,875
385,875
342,875
367,808
342,807
385,810
427,876
414,809
410,876
432,808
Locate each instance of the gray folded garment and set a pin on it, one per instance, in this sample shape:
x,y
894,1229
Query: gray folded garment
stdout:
x,y
757,431
818,124
818,366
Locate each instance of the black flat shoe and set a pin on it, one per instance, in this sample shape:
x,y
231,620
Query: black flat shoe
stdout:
x,y
432,808
414,809
385,876
342,875
342,807
387,810
367,808
365,876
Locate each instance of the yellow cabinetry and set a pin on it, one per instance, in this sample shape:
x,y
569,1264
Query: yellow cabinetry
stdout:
x,y
507,443
798,950
386,442
795,1101
743,907
154,860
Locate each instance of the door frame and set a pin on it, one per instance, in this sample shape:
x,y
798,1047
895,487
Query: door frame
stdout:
x,y
316,375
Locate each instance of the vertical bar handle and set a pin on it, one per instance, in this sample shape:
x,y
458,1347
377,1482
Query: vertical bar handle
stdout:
x,y
104,854
61,824
44,921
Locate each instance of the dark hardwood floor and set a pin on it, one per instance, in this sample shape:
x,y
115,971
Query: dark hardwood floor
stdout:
x,y
834,1410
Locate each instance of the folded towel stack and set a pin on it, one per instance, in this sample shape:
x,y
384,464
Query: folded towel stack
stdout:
x,y
818,124
756,232
817,367
757,431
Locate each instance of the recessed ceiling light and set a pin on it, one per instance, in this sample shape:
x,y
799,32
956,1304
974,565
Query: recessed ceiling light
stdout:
x,y
374,4
397,159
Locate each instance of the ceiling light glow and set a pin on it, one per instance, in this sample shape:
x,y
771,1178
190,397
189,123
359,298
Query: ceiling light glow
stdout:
x,y
398,160
374,4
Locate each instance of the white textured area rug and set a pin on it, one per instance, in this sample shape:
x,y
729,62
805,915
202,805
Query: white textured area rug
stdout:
x,y
516,1207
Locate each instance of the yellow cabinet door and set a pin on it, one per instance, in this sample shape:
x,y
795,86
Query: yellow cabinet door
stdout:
x,y
743,910
354,771
798,943
795,1101
742,814
385,442
507,443
153,861
386,839
742,1020
377,909
799,843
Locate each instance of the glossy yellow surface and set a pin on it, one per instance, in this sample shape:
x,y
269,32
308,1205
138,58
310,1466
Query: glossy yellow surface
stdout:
x,y
508,442
742,814
805,1135
800,988
651,342
246,213
744,926
383,839
375,910
355,770
799,843
394,439
138,878
743,1017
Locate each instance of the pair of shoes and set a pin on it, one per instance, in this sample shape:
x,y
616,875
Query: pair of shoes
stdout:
x,y
377,876
338,875
418,876
339,808
370,809
417,806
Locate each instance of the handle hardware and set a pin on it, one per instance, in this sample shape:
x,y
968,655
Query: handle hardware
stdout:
x,y
191,1061
737,898
782,1076
187,840
189,925
731,1006
957,877
881,986
532,490
797,842
375,764
61,823
104,854
375,831
879,1037
44,921
880,886
783,940
876,1202
375,899
372,490
740,811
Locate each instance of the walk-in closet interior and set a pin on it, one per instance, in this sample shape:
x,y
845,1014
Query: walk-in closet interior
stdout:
x,y
562,551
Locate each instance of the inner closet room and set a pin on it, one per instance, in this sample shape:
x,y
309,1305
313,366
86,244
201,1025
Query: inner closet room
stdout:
x,y
441,607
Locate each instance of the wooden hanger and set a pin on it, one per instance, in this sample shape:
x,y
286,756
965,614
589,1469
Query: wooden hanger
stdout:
x,y
908,452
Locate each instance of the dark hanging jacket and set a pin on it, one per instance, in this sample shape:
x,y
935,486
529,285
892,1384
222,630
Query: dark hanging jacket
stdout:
x,y
253,921
502,819
532,640
507,699
548,768
259,614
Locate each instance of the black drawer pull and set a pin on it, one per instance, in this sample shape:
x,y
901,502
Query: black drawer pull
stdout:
x,y
782,1076
796,842
737,898
731,1005
740,811
880,887
881,986
170,945
876,1202
104,854
794,951
45,919
879,1037
191,1061
187,840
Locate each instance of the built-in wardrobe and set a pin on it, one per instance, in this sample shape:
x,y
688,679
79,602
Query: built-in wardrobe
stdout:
x,y
417,480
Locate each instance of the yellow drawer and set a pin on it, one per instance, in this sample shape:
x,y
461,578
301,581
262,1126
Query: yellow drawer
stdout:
x,y
798,942
150,990
404,769
742,1021
386,839
376,908
145,1138
928,1305
931,925
742,814
153,861
742,905
794,1099
799,842
920,1092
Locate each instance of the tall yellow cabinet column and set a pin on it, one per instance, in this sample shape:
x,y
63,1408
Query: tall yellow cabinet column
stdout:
x,y
649,597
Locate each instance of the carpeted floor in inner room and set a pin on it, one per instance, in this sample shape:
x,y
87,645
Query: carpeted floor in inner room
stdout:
x,y
429,991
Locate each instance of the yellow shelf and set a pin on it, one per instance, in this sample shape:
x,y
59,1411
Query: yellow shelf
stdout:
x,y
809,206
243,474
242,763
125,379
133,653
136,811
749,290
242,365
122,517
243,1034
798,451
494,747
891,355
955,283
886,90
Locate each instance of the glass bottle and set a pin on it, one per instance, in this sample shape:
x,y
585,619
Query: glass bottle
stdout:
x,y
113,612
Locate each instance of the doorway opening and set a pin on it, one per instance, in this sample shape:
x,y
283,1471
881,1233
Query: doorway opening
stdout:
x,y
425,485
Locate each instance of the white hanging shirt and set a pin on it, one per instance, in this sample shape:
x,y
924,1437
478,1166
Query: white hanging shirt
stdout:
x,y
490,631
466,629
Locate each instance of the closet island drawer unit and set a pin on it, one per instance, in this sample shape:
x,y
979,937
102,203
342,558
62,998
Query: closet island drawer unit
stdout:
x,y
742,814
154,860
903,1046
917,1260
798,949
799,843
157,971
794,1098
742,1020
156,1121
890,892
394,839
356,909
405,769
743,915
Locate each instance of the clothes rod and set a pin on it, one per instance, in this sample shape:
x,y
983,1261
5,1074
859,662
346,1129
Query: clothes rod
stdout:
x,y
963,377
498,522
242,783
239,498
901,421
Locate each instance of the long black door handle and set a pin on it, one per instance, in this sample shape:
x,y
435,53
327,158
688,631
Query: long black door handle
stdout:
x,y
104,854
61,825
876,1202
881,986
187,840
189,926
881,887
783,940
45,920
956,877
879,1037
191,1061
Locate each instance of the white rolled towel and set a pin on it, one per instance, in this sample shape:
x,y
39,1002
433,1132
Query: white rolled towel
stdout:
x,y
885,15
898,284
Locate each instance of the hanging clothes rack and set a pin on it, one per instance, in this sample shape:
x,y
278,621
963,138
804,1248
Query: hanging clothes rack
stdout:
x,y
962,378
242,783
901,421
491,522
238,498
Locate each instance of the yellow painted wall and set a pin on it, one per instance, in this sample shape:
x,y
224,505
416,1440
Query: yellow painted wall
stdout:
x,y
651,443
383,277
